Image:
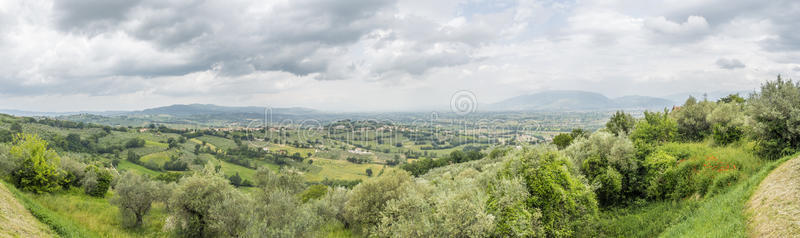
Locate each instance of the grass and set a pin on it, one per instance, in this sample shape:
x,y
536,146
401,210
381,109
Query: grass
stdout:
x,y
643,221
775,205
141,170
340,169
218,142
59,223
230,169
723,215
159,158
718,214
16,221
98,215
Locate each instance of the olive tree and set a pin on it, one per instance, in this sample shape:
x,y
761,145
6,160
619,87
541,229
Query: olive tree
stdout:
x,y
609,163
369,198
776,112
207,205
134,196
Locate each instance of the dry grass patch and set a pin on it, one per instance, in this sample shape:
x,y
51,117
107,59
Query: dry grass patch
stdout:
x,y
775,206
16,221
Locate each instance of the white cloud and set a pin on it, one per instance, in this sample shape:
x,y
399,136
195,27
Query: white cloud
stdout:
x,y
380,55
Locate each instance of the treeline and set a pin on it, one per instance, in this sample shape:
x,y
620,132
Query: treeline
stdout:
x,y
424,165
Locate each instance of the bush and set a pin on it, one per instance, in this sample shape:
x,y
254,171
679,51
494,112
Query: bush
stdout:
x,y
677,171
97,181
37,170
691,119
776,112
620,123
368,199
134,196
656,128
206,205
553,192
609,162
135,143
728,123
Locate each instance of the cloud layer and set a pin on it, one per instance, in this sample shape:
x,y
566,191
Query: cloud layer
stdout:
x,y
381,54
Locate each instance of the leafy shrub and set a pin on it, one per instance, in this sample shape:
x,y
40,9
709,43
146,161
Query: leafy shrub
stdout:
x,y
620,123
206,205
135,143
692,119
677,171
728,123
37,170
654,129
554,191
97,181
609,162
369,198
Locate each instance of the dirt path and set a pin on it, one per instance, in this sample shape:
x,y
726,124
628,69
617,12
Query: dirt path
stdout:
x,y
775,205
16,221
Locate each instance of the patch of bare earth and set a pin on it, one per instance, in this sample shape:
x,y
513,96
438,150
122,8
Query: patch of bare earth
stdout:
x,y
16,221
774,207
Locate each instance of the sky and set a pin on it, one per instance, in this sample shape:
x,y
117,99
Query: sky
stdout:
x,y
381,55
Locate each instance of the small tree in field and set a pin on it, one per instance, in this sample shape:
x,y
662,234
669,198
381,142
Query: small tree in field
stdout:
x,y
38,167
134,197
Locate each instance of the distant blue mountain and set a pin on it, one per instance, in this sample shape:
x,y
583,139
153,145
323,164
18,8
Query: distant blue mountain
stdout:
x,y
577,101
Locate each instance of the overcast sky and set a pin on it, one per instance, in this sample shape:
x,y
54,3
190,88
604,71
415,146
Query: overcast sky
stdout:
x,y
381,55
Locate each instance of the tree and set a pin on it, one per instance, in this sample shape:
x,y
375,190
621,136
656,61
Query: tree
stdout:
x,y
732,98
368,199
172,143
133,157
654,129
134,196
620,123
135,143
609,161
206,205
776,113
369,172
97,181
692,119
537,194
727,122
16,127
38,166
562,140
236,180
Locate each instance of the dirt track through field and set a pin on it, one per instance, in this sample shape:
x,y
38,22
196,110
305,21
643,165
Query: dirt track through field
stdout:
x,y
16,221
775,205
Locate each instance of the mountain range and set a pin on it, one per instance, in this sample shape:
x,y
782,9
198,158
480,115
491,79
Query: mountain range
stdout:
x,y
568,100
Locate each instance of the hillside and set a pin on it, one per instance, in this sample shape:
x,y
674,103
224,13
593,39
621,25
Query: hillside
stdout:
x,y
775,206
577,101
16,221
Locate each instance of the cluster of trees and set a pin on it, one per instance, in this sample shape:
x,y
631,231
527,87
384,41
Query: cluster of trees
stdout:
x,y
424,165
34,167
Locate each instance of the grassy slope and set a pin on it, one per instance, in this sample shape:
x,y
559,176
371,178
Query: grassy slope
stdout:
x,y
16,221
775,205
59,223
719,215
98,215
127,165
723,215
